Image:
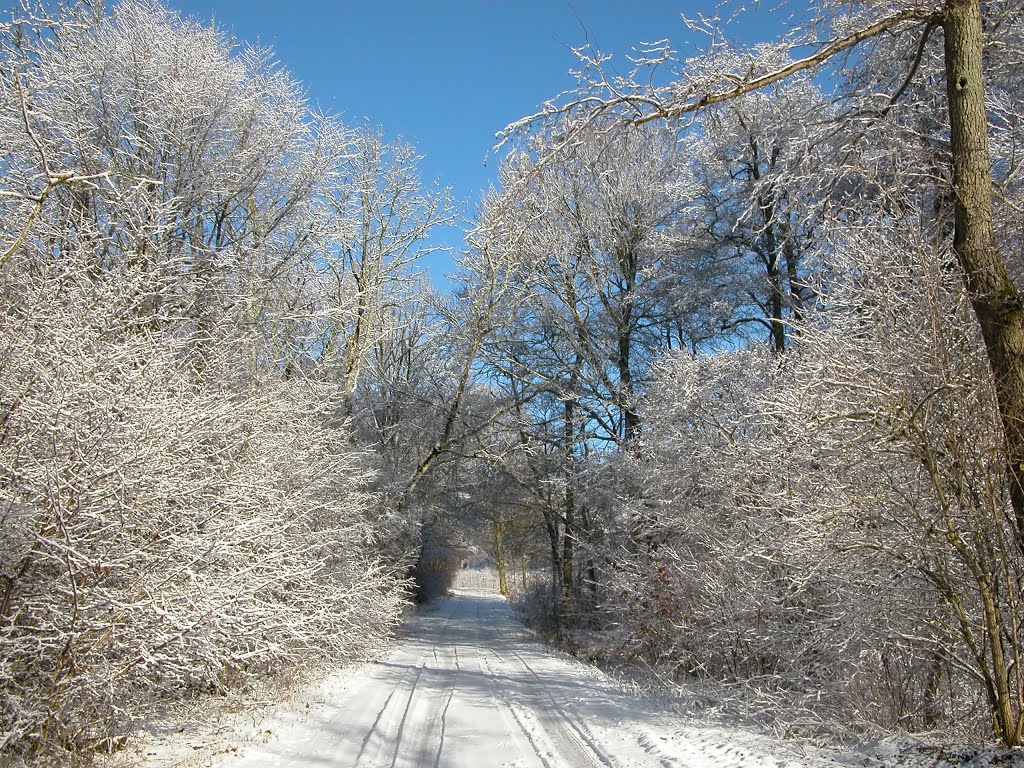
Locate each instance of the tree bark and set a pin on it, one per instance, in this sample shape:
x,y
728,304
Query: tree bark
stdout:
x,y
499,556
630,416
569,526
770,253
993,295
551,525
629,266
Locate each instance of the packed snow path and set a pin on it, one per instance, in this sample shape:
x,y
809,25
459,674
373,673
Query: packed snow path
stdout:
x,y
471,687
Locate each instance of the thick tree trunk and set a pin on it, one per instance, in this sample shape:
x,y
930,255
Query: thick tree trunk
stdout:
x,y
993,294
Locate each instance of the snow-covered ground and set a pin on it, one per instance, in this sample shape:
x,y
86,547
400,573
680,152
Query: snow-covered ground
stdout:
x,y
470,686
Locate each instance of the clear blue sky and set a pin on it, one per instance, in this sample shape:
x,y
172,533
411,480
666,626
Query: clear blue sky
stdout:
x,y
444,74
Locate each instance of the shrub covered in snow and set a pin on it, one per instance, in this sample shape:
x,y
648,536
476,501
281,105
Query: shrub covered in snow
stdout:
x,y
181,505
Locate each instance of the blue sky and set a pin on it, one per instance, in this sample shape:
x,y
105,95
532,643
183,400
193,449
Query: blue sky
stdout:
x,y
444,74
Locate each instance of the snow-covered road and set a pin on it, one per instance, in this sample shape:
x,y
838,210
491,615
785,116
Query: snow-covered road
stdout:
x,y
471,687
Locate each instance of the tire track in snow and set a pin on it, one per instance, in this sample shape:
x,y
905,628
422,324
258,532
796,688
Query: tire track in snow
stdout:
x,y
421,741
467,687
375,724
584,736
444,727
405,716
484,636
398,739
384,722
447,704
571,746
556,715
511,712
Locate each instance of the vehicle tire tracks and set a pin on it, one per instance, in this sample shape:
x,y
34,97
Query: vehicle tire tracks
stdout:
x,y
404,730
570,743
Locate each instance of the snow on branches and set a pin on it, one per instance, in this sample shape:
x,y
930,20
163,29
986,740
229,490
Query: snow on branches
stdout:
x,y
181,504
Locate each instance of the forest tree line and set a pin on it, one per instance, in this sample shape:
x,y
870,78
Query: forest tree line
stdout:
x,y
761,330
201,276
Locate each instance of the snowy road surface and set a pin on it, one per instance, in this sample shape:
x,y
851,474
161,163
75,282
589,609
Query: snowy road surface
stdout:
x,y
471,687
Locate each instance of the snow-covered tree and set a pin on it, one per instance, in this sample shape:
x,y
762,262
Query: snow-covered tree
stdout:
x,y
180,505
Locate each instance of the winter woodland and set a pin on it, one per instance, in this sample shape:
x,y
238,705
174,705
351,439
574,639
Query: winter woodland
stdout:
x,y
731,385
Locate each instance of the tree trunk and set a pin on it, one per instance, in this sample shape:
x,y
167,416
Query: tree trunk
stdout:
x,y
551,525
630,416
1005,715
568,527
993,295
796,288
629,265
932,691
774,276
499,556
591,567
